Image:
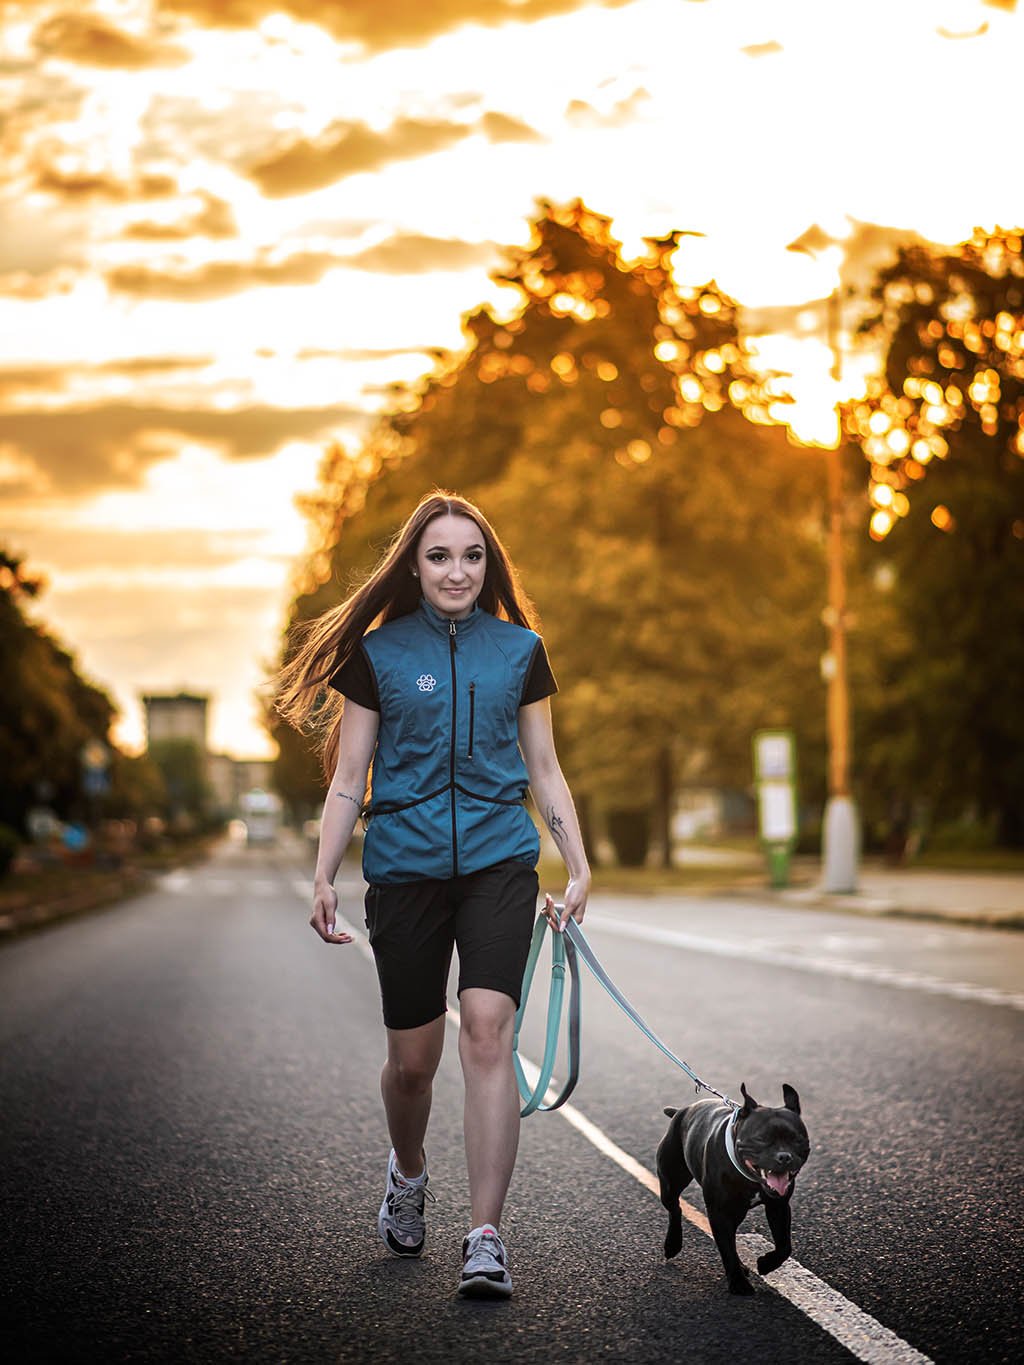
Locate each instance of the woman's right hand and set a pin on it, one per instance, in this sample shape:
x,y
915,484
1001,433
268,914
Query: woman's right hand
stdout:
x,y
324,916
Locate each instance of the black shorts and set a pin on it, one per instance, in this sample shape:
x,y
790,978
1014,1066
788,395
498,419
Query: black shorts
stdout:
x,y
413,927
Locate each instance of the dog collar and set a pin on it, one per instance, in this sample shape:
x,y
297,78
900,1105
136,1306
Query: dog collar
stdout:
x,y
730,1147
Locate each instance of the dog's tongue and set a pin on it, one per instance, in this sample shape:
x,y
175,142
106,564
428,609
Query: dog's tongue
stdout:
x,y
778,1183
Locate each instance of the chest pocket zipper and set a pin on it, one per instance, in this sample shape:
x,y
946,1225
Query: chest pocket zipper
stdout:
x,y
472,717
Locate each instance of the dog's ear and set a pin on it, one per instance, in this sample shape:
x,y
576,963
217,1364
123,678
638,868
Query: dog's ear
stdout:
x,y
749,1103
670,1112
790,1098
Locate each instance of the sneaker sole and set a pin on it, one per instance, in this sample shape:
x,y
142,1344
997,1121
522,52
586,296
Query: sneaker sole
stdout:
x,y
481,1288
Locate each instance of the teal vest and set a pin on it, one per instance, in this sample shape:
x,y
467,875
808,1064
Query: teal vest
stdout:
x,y
449,779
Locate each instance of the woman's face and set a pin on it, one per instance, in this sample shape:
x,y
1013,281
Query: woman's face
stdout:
x,y
451,558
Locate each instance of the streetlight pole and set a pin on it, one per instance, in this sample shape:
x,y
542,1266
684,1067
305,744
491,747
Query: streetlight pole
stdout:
x,y
840,834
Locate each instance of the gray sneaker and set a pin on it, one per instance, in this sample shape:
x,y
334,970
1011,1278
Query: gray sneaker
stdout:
x,y
401,1224
484,1266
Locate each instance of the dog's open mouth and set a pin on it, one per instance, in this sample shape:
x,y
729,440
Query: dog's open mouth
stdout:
x,y
778,1183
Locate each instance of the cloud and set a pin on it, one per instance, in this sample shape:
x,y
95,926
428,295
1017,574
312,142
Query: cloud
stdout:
x,y
349,149
102,185
15,379
212,218
365,352
412,254
90,41
380,24
503,128
36,239
583,115
345,149
111,444
218,279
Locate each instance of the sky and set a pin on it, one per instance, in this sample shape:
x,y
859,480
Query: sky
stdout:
x,y
228,227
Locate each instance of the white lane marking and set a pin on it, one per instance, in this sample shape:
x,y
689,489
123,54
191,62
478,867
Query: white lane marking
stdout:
x,y
174,881
350,889
829,966
258,886
861,1334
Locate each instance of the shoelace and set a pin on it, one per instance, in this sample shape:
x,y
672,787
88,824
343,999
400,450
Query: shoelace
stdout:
x,y
407,1203
487,1247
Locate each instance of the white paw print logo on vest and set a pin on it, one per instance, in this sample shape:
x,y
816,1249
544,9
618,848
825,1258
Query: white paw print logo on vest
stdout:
x,y
426,683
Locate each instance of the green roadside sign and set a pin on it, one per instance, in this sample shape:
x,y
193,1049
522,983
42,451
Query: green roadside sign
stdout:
x,y
775,785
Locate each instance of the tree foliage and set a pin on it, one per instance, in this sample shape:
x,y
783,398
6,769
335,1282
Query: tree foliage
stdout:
x,y
943,428
49,710
611,428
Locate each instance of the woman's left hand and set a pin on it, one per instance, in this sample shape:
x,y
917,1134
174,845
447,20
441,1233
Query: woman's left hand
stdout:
x,y
576,891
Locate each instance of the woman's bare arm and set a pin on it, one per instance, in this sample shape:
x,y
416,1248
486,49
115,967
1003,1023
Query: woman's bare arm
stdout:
x,y
554,801
342,805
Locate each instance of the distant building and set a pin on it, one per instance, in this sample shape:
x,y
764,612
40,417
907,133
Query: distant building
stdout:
x,y
230,777
183,716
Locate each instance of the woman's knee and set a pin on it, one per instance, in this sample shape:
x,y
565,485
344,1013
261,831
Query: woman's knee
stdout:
x,y
414,1056
485,1035
413,1074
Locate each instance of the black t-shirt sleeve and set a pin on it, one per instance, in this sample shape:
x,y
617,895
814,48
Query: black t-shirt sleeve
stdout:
x,y
356,680
540,681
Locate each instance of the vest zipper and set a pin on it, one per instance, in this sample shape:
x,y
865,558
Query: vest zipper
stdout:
x,y
451,751
472,717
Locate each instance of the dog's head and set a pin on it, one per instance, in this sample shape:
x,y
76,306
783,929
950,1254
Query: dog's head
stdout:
x,y
772,1143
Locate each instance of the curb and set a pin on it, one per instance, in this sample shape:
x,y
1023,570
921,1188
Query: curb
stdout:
x,y
24,918
883,908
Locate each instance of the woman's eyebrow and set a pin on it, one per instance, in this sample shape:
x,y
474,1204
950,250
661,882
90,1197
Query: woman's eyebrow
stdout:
x,y
432,548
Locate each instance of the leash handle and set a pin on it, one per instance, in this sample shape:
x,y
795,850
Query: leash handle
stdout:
x,y
563,952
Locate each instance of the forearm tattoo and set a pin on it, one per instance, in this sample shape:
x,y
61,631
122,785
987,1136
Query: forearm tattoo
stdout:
x,y
557,827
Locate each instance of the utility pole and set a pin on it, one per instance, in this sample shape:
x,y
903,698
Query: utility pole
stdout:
x,y
840,833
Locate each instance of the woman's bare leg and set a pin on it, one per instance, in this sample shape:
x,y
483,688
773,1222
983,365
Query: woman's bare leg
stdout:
x,y
406,1085
491,1120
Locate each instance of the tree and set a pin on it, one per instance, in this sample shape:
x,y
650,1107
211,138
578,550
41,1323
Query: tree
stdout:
x,y
49,710
669,533
943,428
181,765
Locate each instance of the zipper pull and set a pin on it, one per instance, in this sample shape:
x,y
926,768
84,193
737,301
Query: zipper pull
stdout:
x,y
451,631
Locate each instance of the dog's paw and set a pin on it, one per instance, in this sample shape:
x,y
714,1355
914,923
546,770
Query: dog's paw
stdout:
x,y
770,1261
673,1243
741,1285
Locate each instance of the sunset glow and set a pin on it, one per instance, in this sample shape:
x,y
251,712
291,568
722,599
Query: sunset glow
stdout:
x,y
223,247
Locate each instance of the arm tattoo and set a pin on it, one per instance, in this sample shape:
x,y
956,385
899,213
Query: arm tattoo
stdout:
x,y
556,825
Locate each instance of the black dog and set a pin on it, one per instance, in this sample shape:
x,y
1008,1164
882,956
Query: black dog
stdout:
x,y
739,1158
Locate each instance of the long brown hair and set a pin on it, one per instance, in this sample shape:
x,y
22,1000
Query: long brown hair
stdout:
x,y
319,647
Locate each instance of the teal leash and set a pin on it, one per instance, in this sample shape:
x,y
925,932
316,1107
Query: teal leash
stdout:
x,y
563,953
566,946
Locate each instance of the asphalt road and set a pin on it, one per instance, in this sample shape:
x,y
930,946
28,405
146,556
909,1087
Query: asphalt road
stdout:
x,y
192,1147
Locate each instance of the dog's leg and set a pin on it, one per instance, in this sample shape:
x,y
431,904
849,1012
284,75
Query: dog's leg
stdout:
x,y
673,1177
780,1222
724,1225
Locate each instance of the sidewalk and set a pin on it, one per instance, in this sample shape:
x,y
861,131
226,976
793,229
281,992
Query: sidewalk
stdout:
x,y
993,899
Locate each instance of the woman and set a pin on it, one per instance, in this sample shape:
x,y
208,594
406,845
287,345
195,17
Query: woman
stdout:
x,y
439,682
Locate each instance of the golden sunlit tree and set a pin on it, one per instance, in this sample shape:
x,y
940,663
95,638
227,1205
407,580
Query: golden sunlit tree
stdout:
x,y
611,428
943,429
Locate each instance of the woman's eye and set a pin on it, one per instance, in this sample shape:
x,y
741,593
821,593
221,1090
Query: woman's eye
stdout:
x,y
474,556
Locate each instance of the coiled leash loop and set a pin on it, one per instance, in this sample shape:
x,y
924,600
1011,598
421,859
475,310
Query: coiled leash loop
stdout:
x,y
563,951
566,947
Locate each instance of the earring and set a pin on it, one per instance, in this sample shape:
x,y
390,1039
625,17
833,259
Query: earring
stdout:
x,y
415,573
